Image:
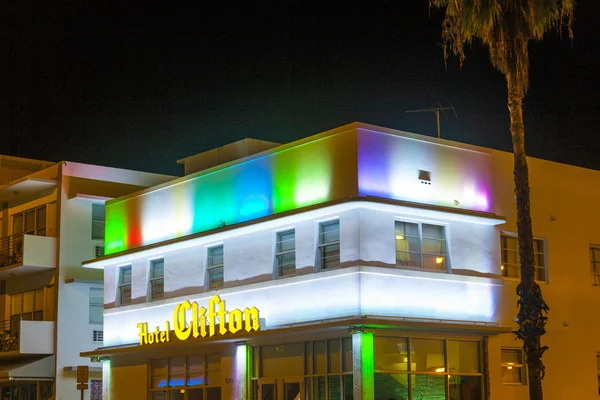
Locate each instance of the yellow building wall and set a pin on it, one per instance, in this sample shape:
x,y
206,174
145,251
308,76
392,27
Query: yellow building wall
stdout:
x,y
128,382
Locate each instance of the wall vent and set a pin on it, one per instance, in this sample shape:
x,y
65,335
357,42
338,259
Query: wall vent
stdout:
x,y
425,177
99,251
98,336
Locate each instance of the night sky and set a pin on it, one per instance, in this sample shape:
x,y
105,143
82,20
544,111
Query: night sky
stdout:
x,y
141,86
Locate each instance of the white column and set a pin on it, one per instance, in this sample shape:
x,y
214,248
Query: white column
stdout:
x,y
362,363
242,373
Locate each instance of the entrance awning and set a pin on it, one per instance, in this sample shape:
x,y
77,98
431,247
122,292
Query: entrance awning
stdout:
x,y
38,369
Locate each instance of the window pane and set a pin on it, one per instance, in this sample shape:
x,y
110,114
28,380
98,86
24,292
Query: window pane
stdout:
x,y
176,395
330,256
433,246
195,394
430,387
158,372
215,276
16,301
39,300
158,268
320,389
408,259
320,357
286,241
465,387
17,223
511,356
512,374
125,275
125,294
29,221
176,372
333,349
41,217
96,314
434,262
215,256
463,356
408,243
213,393
283,360
335,392
391,386
429,355
157,288
509,242
213,368
98,212
433,232
195,366
404,229
390,354
159,395
348,387
347,353
330,232
512,361
28,302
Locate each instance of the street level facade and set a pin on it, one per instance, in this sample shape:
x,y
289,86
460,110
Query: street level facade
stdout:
x,y
359,263
51,219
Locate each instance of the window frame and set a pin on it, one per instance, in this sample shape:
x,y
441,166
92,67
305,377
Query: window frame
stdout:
x,y
522,366
36,225
98,222
595,264
100,305
545,267
186,372
322,246
152,279
279,254
121,285
210,267
446,256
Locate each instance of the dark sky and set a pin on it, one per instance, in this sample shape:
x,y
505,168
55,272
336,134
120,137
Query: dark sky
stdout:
x,y
142,86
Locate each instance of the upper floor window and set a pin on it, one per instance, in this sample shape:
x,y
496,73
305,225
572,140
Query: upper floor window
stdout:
x,y
286,252
27,306
125,285
595,264
214,267
511,268
96,305
98,218
30,222
329,244
156,279
421,245
512,366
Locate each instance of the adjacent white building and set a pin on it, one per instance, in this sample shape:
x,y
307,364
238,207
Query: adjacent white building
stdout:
x,y
360,263
51,219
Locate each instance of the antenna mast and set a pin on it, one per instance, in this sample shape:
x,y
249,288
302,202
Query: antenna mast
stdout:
x,y
436,110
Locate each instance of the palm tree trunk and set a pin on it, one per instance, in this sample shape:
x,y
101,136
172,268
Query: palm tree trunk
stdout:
x,y
531,305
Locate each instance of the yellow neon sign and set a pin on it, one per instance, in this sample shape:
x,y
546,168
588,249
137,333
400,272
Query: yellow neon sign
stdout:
x,y
203,322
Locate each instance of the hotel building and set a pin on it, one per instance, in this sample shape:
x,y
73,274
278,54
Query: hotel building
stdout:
x,y
51,219
359,263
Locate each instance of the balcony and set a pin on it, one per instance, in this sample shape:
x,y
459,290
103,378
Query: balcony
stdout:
x,y
26,338
26,254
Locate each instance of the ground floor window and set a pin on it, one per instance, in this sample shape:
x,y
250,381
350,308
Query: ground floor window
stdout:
x,y
433,369
195,377
315,370
26,391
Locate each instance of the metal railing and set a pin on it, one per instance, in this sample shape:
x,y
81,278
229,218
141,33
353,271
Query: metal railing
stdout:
x,y
9,335
11,250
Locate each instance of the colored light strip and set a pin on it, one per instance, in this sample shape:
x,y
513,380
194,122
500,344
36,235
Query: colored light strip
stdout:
x,y
349,164
364,365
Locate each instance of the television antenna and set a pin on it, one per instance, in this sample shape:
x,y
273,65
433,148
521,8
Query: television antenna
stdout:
x,y
436,110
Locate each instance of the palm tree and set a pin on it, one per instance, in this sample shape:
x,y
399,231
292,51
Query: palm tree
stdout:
x,y
505,27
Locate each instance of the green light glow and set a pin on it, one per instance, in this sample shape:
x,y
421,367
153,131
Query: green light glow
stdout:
x,y
367,358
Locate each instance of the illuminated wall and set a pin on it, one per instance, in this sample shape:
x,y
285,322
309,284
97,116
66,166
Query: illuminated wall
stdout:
x,y
292,178
326,168
335,294
388,167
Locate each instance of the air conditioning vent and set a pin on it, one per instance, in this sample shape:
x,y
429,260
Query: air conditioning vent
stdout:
x,y
99,251
98,336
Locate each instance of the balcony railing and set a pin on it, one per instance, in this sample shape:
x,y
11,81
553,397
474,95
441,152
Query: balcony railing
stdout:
x,y
26,336
11,250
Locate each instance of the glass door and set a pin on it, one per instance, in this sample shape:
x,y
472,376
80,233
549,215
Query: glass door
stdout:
x,y
267,389
290,388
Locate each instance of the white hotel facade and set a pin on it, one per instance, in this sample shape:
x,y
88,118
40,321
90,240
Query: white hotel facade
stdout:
x,y
360,263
